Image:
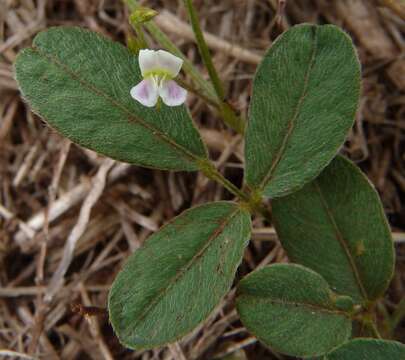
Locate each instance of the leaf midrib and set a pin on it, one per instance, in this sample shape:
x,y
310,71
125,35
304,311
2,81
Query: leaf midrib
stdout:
x,y
181,271
291,123
296,304
155,131
339,236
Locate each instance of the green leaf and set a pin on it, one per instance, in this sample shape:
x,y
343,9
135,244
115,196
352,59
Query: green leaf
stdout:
x,y
305,96
174,282
79,82
368,349
337,227
291,309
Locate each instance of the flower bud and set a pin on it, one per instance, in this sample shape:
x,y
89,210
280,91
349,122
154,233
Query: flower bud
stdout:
x,y
142,15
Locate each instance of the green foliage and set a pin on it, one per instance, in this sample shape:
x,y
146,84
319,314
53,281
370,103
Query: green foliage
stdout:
x,y
79,82
368,349
336,226
177,278
305,95
292,309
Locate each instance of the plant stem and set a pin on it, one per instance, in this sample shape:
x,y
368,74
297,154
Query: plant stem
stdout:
x,y
141,36
398,314
228,114
211,172
231,119
253,203
370,324
386,324
189,87
204,51
374,329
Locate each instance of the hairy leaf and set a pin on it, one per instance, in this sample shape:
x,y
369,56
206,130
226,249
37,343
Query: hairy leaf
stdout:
x,y
173,283
337,227
305,95
368,349
292,310
79,82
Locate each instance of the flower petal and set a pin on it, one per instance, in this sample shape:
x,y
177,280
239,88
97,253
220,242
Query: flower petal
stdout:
x,y
146,92
171,93
148,60
168,62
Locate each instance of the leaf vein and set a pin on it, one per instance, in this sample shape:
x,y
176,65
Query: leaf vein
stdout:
x,y
291,122
296,304
342,242
185,268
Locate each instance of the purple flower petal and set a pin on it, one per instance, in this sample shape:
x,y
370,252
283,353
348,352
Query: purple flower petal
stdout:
x,y
172,94
146,92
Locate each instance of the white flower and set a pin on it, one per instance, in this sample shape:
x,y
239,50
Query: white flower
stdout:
x,y
158,69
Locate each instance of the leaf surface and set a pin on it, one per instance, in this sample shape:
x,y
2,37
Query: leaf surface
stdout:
x,y
80,82
176,279
305,96
292,310
368,349
336,226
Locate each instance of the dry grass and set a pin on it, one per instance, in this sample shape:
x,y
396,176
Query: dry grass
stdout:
x,y
69,218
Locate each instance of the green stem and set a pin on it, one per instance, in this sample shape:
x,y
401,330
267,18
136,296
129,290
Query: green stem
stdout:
x,y
252,203
211,172
398,314
228,114
189,87
386,324
370,324
141,36
374,329
204,51
231,119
